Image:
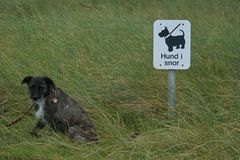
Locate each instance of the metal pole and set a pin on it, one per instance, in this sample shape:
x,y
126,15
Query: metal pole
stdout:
x,y
171,89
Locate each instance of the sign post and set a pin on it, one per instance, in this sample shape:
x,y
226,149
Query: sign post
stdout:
x,y
171,88
171,50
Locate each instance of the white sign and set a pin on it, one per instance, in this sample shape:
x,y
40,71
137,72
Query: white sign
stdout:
x,y
171,44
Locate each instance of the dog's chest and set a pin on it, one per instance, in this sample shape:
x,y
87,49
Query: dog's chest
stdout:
x,y
40,111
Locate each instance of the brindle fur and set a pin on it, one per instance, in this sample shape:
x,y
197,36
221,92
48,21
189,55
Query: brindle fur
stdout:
x,y
65,115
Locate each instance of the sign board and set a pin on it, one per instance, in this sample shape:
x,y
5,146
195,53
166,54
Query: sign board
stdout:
x,y
171,44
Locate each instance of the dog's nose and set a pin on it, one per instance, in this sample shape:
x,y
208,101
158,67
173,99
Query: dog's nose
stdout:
x,y
34,98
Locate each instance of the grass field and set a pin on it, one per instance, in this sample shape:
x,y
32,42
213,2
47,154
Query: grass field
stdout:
x,y
100,53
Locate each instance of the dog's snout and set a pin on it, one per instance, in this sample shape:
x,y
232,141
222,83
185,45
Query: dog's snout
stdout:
x,y
34,98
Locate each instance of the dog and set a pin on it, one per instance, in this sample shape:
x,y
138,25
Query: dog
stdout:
x,y
58,110
172,41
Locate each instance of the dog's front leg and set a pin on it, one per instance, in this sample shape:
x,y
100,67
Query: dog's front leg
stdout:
x,y
38,126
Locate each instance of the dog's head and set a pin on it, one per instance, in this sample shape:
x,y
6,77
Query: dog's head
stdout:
x,y
38,87
164,32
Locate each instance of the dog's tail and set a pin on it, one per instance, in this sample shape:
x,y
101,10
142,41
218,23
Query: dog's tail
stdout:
x,y
182,32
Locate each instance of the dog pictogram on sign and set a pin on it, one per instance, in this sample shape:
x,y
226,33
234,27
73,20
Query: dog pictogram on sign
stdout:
x,y
172,41
171,48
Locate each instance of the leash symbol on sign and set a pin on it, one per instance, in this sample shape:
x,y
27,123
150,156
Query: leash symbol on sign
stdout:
x,y
172,41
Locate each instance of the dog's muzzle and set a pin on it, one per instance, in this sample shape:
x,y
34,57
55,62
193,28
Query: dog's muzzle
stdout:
x,y
34,98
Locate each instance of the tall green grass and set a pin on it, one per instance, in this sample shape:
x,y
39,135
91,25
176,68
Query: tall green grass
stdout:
x,y
100,53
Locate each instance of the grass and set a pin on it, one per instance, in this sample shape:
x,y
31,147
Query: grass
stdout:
x,y
100,53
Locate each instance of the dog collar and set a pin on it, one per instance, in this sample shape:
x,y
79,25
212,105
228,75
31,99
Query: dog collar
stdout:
x,y
52,97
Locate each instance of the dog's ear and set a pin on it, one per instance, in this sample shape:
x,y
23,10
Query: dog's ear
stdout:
x,y
27,80
49,82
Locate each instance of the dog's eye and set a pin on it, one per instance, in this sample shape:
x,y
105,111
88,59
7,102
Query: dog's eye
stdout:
x,y
33,86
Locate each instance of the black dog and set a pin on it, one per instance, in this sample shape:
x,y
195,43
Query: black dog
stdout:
x,y
58,110
172,41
